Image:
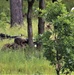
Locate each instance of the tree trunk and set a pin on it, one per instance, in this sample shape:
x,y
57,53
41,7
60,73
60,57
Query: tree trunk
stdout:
x,y
58,65
29,21
16,12
58,73
54,1
41,20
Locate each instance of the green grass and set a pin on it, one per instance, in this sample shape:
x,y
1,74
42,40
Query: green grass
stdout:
x,y
18,30
24,62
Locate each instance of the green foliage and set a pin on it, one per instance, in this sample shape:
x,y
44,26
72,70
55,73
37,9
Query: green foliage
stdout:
x,y
54,10
4,13
3,20
60,49
34,62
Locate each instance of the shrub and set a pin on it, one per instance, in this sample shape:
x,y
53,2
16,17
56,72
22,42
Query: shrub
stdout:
x,y
59,49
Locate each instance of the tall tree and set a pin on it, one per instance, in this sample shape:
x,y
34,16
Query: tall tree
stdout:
x,y
29,21
41,20
16,12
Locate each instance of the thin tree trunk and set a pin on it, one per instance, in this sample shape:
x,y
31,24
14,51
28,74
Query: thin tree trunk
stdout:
x,y
41,20
58,73
58,66
29,21
16,12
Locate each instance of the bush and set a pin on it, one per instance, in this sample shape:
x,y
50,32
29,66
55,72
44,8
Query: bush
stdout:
x,y
59,49
54,10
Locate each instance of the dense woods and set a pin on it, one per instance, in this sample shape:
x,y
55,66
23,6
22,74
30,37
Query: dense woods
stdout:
x,y
37,37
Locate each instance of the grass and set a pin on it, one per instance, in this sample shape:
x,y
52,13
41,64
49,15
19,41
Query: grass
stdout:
x,y
17,31
22,62
25,62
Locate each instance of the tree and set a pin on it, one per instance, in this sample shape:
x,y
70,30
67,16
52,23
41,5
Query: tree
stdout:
x,y
60,48
41,20
16,12
29,21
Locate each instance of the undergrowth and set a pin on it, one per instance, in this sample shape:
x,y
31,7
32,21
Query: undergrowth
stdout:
x,y
24,62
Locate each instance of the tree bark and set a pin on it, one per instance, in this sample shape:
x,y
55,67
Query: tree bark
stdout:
x,y
58,73
58,66
41,20
29,21
16,12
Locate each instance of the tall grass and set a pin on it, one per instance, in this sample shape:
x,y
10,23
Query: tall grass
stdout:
x,y
19,29
24,62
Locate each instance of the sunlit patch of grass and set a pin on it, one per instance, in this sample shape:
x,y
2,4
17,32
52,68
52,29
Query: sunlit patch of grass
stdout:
x,y
17,31
2,42
35,27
